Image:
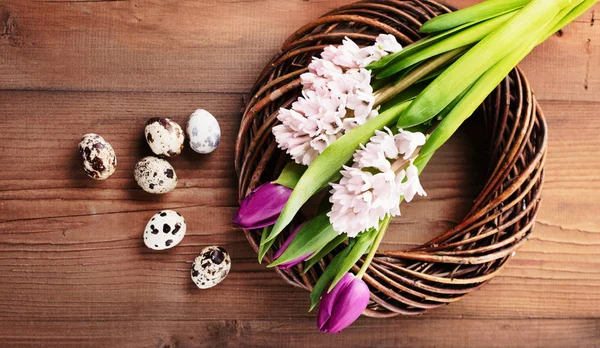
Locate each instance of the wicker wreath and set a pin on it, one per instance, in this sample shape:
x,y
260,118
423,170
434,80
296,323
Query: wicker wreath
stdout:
x,y
467,256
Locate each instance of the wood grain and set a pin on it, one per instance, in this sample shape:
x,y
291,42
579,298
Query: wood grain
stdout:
x,y
73,269
269,333
195,46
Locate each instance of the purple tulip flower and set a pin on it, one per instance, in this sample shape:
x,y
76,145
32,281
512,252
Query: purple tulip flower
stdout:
x,y
285,245
262,206
343,305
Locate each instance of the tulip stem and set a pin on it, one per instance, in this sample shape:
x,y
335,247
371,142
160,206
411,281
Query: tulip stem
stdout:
x,y
384,226
392,90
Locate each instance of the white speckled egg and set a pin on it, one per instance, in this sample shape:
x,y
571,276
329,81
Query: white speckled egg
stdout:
x,y
164,230
98,157
203,131
210,267
155,175
165,137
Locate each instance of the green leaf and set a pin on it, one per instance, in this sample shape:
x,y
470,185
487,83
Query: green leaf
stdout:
x,y
472,14
567,15
313,236
383,226
324,251
264,247
292,172
415,46
381,83
415,75
460,39
363,242
409,93
477,93
328,164
471,100
522,29
326,277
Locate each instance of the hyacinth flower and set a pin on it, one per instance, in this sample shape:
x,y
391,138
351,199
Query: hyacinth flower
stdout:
x,y
262,206
284,247
343,305
372,188
337,97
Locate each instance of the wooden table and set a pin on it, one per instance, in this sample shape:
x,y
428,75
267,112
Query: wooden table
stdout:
x,y
73,268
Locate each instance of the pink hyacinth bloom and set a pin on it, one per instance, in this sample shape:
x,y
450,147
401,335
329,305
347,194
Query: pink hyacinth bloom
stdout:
x,y
362,198
370,190
412,185
408,142
388,43
337,96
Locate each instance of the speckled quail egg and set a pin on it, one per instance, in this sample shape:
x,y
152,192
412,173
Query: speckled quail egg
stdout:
x,y
155,175
164,136
164,230
203,131
210,267
98,157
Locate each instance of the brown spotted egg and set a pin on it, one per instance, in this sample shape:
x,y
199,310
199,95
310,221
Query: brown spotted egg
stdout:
x,y
164,230
210,267
155,175
98,157
164,136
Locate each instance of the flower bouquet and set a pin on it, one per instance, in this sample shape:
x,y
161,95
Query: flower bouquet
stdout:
x,y
346,117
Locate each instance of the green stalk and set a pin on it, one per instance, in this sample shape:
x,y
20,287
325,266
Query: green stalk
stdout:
x,y
477,94
462,38
568,15
474,97
418,45
363,242
327,276
389,92
264,247
520,30
374,247
482,11
313,260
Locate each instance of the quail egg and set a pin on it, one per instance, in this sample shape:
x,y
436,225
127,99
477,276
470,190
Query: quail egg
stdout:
x,y
155,175
164,136
164,230
210,267
203,131
98,157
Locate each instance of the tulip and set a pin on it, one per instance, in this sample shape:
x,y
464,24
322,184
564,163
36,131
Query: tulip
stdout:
x,y
343,305
285,245
262,206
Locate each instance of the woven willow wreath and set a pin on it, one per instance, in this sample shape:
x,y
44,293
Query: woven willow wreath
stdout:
x,y
468,255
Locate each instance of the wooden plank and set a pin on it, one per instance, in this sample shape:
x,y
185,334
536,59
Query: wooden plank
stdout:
x,y
70,246
196,46
397,332
72,266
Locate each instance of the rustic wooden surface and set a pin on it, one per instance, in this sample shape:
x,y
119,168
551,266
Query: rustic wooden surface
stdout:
x,y
73,269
